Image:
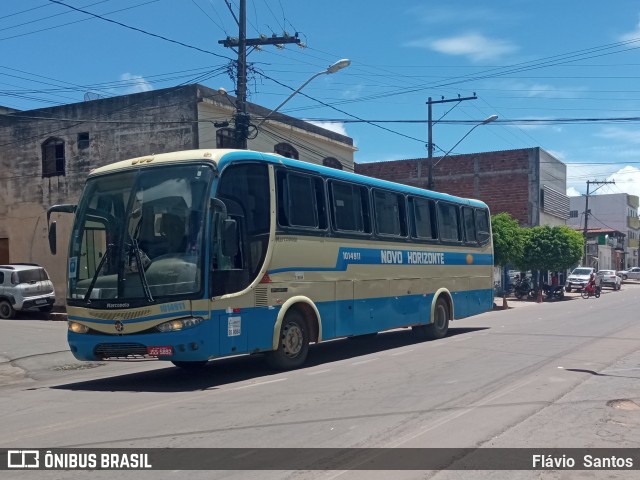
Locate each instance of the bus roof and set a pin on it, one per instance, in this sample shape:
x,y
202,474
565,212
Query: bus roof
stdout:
x,y
223,157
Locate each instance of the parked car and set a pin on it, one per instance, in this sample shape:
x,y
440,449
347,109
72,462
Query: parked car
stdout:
x,y
609,278
25,286
579,278
633,273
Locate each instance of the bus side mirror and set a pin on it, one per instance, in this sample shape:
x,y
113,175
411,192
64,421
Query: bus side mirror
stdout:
x,y
229,238
53,238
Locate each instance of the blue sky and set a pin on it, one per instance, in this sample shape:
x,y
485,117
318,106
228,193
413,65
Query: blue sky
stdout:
x,y
561,75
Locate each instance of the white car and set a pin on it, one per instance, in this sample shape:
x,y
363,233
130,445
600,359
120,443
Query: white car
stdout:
x,y
24,286
633,273
579,278
609,278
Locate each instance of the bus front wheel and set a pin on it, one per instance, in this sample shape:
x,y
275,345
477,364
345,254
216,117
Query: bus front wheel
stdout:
x,y
293,346
439,327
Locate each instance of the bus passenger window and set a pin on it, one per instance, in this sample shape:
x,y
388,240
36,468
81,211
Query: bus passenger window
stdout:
x,y
424,219
350,208
482,226
469,225
302,201
389,213
448,222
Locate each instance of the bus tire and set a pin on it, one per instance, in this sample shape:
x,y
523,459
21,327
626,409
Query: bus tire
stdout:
x,y
293,345
439,327
6,310
190,366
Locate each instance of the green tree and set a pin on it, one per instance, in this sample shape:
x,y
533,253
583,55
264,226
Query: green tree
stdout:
x,y
508,240
551,248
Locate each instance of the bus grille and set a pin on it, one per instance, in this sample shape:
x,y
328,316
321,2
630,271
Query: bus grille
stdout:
x,y
119,315
124,351
261,297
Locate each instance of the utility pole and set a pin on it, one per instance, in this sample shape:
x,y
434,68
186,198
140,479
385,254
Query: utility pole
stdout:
x,y
430,102
586,213
241,117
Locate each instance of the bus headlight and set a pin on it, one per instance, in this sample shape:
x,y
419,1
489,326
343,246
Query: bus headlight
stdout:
x,y
78,327
179,324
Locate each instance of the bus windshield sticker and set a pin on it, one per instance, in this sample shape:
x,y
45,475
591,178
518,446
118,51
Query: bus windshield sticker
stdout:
x,y
73,267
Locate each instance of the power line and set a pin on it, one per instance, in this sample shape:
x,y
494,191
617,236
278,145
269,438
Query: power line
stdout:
x,y
76,21
161,37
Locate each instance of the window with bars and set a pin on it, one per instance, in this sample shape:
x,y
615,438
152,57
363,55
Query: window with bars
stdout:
x,y
53,162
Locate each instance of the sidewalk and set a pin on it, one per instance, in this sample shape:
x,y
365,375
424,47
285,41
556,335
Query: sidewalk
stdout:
x,y
513,302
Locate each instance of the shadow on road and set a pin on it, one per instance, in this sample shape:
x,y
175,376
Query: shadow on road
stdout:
x,y
226,371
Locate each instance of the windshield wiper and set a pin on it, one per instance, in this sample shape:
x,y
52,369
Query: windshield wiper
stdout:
x,y
141,272
95,275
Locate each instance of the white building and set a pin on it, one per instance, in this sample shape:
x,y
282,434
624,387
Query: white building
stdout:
x,y
616,211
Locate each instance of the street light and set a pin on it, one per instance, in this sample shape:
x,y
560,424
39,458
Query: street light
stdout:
x,y
432,165
339,65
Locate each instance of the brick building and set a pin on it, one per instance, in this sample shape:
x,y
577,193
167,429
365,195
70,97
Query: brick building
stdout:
x,y
530,184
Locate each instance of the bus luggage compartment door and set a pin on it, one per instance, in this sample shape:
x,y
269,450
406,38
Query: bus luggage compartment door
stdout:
x,y
233,334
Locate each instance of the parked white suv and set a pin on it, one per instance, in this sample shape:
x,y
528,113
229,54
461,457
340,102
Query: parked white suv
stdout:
x,y
25,286
579,278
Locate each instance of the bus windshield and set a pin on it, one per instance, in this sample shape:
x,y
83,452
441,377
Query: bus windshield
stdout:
x,y
138,235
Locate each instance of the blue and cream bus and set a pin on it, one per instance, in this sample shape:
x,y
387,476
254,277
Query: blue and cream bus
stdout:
x,y
200,254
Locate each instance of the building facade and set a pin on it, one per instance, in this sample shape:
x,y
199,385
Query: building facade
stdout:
x,y
47,153
529,184
616,212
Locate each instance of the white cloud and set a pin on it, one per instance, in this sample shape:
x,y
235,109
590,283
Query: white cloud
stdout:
x,y
137,83
634,35
475,46
337,127
627,180
353,92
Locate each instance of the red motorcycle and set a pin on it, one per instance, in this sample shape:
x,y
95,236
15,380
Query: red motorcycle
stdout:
x,y
591,290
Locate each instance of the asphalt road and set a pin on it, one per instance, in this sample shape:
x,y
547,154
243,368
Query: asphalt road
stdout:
x,y
555,374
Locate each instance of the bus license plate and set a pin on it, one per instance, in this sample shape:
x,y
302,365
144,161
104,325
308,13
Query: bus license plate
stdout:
x,y
160,351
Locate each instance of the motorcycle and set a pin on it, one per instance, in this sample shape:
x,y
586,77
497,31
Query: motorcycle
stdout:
x,y
553,292
591,290
523,289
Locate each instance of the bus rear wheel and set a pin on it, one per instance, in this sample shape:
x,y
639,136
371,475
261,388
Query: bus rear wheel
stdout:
x,y
439,327
293,346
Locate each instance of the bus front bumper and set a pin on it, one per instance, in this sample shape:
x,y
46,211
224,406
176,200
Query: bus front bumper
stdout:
x,y
185,346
